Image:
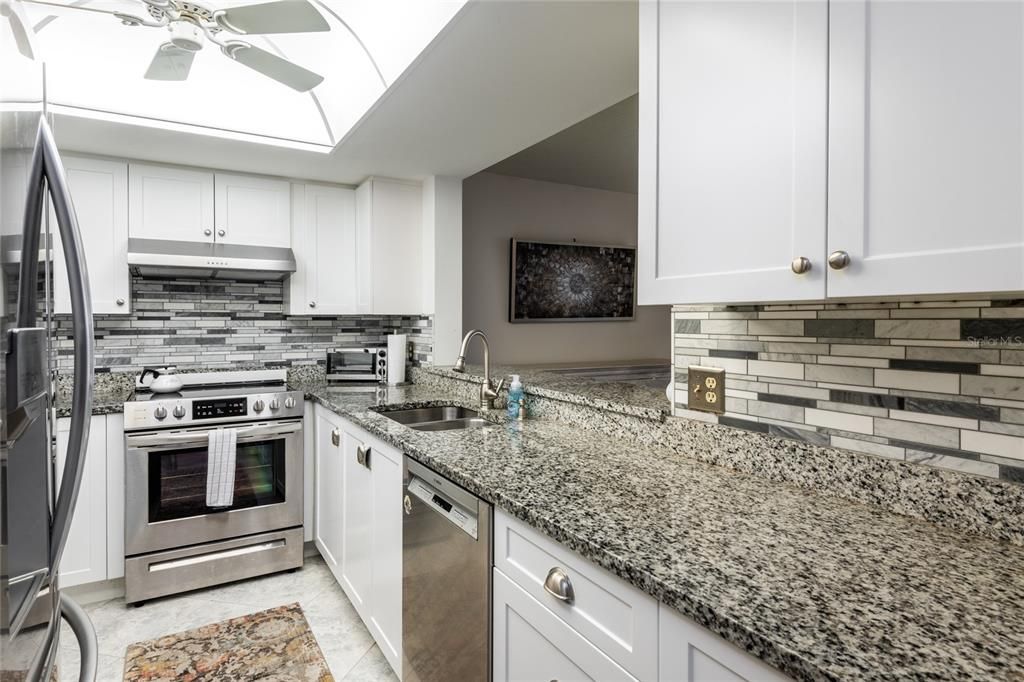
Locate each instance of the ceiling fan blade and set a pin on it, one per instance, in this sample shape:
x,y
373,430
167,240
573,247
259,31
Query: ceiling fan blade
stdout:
x,y
281,16
170,63
18,30
272,66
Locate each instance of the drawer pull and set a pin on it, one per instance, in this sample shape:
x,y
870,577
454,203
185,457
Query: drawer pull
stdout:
x,y
558,585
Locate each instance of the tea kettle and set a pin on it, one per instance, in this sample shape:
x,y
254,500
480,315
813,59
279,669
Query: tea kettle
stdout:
x,y
165,379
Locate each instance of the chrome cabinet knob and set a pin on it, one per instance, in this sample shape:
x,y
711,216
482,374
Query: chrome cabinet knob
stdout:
x,y
800,265
119,301
275,404
221,233
179,411
160,412
837,260
335,437
312,304
289,403
558,585
207,232
258,405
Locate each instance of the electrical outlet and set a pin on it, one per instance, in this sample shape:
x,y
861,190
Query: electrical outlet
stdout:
x,y
707,389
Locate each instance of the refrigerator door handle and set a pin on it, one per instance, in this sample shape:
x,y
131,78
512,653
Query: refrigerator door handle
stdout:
x,y
47,173
85,633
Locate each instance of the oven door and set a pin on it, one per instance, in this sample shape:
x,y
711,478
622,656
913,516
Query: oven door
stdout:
x,y
165,486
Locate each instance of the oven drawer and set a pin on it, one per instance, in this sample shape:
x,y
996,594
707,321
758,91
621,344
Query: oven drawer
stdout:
x,y
180,570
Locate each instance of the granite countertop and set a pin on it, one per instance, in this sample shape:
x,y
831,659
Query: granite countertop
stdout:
x,y
103,401
822,588
625,397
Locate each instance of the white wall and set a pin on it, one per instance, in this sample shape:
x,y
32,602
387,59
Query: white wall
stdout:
x,y
496,208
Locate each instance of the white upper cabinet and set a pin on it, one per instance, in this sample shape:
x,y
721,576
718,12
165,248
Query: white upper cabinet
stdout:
x,y
167,202
99,192
252,210
326,252
194,205
389,218
926,117
881,141
732,150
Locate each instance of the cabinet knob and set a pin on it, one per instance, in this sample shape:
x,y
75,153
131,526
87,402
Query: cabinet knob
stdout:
x,y
119,301
800,265
558,585
363,455
207,232
335,437
837,260
312,304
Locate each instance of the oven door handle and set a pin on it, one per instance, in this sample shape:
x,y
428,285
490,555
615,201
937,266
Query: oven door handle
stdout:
x,y
201,437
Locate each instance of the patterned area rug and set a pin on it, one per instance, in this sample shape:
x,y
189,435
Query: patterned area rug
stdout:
x,y
275,645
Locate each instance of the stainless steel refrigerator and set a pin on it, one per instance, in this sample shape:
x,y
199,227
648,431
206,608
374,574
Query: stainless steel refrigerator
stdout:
x,y
35,513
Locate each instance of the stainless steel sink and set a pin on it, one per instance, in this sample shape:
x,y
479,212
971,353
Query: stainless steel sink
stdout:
x,y
446,418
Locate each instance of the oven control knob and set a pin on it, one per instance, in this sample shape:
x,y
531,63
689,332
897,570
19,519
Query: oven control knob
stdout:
x,y
258,405
275,404
160,412
289,403
179,411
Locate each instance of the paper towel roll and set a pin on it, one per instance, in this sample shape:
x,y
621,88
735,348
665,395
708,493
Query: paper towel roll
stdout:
x,y
397,355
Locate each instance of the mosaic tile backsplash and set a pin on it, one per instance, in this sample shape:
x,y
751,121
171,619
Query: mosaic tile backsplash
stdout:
x,y
938,383
223,323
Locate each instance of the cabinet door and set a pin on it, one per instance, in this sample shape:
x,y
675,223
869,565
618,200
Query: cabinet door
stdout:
x,y
165,202
329,493
324,241
99,190
531,643
690,653
926,185
732,181
115,495
308,470
85,556
390,214
252,211
386,619
356,564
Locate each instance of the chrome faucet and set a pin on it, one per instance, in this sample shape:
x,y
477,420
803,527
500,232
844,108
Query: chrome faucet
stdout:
x,y
487,392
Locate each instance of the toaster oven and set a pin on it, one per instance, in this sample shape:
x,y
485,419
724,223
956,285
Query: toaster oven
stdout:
x,y
369,363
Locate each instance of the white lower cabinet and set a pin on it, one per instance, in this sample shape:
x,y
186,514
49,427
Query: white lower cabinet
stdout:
x,y
531,644
691,653
358,522
95,545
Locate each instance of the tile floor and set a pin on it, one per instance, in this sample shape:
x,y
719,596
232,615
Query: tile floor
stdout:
x,y
347,645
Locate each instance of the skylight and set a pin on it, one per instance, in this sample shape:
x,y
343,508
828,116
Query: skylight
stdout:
x,y
97,65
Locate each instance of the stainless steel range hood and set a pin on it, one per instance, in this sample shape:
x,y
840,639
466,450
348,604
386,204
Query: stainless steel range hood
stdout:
x,y
165,258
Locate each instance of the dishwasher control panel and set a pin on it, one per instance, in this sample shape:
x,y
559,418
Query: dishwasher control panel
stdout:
x,y
463,518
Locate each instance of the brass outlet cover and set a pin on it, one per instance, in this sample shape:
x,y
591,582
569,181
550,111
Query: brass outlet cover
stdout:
x,y
706,389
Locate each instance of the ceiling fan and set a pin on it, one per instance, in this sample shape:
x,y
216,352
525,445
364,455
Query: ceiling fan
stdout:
x,y
192,24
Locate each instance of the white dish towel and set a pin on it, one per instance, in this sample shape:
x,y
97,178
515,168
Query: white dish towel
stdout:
x,y
220,467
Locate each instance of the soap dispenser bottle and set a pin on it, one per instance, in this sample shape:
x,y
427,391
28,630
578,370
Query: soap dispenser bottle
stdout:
x,y
515,397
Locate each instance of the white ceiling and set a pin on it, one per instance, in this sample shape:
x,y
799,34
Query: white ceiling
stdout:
x,y
95,67
501,76
600,152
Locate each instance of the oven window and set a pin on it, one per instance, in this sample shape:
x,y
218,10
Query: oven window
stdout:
x,y
351,362
177,479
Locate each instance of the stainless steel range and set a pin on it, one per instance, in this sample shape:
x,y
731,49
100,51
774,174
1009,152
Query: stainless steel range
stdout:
x,y
174,541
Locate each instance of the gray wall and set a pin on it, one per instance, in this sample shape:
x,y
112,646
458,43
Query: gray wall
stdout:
x,y
496,208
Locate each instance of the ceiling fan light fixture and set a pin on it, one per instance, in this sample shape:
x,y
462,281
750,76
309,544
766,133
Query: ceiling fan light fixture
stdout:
x,y
186,35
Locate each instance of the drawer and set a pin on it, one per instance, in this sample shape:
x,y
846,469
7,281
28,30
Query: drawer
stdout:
x,y
531,644
616,617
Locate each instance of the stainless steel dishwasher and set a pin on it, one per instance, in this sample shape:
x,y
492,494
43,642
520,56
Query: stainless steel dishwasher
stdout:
x,y
446,580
